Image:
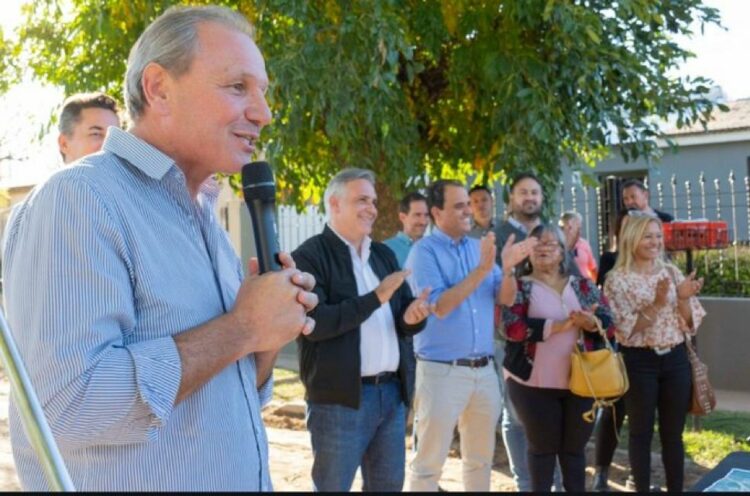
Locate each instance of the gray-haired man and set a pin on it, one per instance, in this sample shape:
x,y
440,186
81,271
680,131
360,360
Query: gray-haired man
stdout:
x,y
151,353
358,365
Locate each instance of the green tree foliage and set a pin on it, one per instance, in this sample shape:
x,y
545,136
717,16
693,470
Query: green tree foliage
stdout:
x,y
415,87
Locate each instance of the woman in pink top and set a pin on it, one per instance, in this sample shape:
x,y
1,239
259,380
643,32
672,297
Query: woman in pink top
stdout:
x,y
542,328
655,308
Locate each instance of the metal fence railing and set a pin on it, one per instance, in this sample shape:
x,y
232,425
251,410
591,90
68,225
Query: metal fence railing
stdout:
x,y
685,197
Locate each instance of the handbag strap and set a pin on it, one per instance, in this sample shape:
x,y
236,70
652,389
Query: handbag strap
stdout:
x,y
688,337
590,415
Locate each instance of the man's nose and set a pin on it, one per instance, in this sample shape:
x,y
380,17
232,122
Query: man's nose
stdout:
x,y
258,110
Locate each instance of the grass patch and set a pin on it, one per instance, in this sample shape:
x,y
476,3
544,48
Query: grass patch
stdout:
x,y
720,434
287,386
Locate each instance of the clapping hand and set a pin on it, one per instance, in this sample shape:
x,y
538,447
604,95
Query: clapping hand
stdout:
x,y
390,284
419,309
689,287
487,252
513,254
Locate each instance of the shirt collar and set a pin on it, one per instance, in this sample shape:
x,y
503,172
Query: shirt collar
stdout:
x,y
447,239
353,249
516,224
142,155
404,237
491,225
152,161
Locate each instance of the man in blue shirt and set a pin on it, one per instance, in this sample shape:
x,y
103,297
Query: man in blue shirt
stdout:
x,y
149,351
456,382
412,212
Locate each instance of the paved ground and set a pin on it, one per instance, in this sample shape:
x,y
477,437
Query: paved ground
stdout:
x,y
8,479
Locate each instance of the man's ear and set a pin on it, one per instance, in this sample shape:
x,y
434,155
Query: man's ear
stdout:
x,y
402,217
62,144
333,204
157,88
435,213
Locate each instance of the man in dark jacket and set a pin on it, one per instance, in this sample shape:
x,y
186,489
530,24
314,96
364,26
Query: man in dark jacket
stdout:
x,y
358,364
635,196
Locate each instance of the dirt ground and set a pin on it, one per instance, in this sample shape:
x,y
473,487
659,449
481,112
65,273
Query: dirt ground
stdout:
x,y
291,458
290,442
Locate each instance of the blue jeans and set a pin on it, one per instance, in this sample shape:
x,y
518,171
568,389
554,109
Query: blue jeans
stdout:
x,y
372,437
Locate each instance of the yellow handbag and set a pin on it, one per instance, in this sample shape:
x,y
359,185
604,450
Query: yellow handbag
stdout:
x,y
599,374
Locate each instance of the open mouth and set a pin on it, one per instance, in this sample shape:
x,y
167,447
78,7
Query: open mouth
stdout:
x,y
248,139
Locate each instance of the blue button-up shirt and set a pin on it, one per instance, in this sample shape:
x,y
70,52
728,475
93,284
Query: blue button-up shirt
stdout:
x,y
440,263
103,264
400,244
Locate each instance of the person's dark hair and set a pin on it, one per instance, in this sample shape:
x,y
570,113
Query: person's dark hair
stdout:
x,y
634,182
480,187
521,176
537,233
436,192
405,204
70,114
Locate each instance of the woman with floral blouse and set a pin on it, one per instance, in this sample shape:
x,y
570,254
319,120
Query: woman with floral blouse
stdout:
x,y
655,307
542,327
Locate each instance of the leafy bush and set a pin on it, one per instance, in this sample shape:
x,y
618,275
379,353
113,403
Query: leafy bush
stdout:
x,y
717,267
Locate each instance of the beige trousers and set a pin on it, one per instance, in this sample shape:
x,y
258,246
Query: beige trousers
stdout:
x,y
447,395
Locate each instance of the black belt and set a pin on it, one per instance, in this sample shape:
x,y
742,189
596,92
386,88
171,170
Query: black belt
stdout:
x,y
474,363
380,378
659,351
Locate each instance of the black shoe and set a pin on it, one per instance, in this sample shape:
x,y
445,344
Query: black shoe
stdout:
x,y
600,484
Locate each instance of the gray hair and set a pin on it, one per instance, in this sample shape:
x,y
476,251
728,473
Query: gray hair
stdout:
x,y
338,183
570,215
537,233
171,41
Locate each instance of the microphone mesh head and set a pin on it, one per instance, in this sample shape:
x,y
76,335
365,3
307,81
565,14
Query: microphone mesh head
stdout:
x,y
258,182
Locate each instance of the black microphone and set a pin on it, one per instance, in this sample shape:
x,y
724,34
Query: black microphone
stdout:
x,y
259,190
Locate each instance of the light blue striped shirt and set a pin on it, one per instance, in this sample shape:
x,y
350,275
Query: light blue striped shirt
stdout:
x,y
103,264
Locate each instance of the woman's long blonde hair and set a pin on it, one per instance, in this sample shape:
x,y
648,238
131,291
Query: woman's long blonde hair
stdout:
x,y
632,233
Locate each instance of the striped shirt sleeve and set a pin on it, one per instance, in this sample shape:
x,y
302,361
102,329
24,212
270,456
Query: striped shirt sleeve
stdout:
x,y
77,313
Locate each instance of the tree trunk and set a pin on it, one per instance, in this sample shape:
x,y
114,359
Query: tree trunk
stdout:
x,y
387,224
